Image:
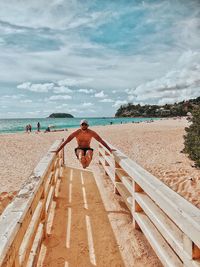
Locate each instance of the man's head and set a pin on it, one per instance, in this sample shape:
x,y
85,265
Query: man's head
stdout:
x,y
84,124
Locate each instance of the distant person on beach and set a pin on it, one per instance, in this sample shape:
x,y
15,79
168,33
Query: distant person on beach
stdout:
x,y
27,128
83,136
38,126
47,130
30,128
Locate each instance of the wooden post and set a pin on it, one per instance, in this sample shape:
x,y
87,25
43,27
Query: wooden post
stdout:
x,y
195,252
54,169
135,206
44,213
63,156
192,250
100,154
117,179
106,163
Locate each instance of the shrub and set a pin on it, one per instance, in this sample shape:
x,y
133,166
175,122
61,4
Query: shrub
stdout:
x,y
192,137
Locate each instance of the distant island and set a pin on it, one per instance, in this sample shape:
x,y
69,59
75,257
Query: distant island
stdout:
x,y
167,110
60,115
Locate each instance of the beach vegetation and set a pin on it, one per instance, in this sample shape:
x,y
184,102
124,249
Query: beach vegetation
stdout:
x,y
192,137
159,111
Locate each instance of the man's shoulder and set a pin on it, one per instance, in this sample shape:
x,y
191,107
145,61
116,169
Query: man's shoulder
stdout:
x,y
76,132
92,132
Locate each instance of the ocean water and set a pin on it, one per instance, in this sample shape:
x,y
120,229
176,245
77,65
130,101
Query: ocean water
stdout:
x,y
18,125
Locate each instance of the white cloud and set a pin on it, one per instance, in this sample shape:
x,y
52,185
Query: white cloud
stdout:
x,y
87,104
44,88
67,82
59,97
128,91
39,87
90,20
73,82
106,100
118,103
72,110
100,94
57,14
33,113
37,14
93,110
131,97
86,91
183,82
61,89
12,96
12,113
26,101
58,107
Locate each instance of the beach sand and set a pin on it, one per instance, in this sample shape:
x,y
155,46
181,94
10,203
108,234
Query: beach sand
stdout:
x,y
155,146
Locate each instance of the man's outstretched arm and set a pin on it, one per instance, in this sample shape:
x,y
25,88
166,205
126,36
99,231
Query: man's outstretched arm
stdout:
x,y
100,140
69,138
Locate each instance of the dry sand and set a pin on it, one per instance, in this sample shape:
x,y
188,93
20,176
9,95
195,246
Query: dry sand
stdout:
x,y
156,146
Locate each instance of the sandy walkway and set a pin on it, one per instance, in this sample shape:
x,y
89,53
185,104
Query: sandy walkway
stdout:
x,y
81,227
91,229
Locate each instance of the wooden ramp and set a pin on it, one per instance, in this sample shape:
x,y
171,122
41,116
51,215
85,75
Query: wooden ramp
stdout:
x,y
58,218
79,232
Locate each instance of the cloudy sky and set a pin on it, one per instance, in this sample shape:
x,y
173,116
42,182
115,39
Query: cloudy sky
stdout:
x,y
89,57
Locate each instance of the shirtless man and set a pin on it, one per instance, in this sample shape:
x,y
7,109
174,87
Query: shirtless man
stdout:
x,y
83,137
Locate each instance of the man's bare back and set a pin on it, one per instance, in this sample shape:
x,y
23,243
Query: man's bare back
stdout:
x,y
83,137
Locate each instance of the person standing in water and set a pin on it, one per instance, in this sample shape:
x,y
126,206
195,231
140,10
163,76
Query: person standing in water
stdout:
x,y
38,126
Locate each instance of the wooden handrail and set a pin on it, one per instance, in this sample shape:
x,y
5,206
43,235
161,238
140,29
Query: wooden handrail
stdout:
x,y
23,223
167,219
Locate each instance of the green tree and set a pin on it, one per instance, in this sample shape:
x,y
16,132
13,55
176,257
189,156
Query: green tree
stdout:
x,y
192,138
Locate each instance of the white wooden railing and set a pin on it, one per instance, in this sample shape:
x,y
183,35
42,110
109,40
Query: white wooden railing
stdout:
x,y
170,223
23,224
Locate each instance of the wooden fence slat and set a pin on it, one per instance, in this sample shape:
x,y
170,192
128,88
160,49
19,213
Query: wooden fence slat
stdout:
x,y
166,227
49,198
27,242
34,255
128,183
160,246
124,193
48,183
108,170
